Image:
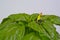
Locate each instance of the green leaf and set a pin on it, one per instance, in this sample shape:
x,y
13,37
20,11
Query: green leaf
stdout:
x,y
4,20
39,29
31,36
12,31
54,19
50,29
58,36
44,37
18,17
33,17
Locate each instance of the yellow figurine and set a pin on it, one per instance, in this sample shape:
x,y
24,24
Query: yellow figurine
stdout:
x,y
39,17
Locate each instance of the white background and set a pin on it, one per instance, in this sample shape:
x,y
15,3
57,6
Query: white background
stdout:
x,y
8,7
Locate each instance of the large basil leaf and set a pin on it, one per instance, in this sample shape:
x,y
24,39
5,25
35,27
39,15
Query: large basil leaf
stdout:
x,y
58,36
12,31
7,21
54,19
18,17
33,17
50,29
43,34
31,36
